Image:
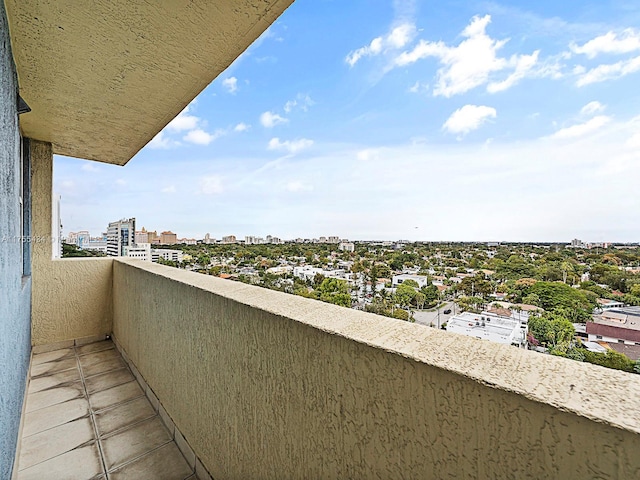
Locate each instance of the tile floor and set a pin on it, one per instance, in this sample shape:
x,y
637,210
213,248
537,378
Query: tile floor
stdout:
x,y
87,418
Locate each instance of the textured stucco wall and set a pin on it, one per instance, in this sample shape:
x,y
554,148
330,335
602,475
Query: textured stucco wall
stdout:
x,y
15,291
71,297
268,385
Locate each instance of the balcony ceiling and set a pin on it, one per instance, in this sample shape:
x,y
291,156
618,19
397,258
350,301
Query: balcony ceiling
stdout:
x,y
104,77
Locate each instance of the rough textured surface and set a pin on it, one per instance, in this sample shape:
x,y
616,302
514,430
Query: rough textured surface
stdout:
x,y
71,297
268,385
103,77
15,291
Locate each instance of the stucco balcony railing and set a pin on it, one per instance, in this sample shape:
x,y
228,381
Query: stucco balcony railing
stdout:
x,y
263,384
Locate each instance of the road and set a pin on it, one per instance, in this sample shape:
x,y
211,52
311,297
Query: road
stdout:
x,y
428,318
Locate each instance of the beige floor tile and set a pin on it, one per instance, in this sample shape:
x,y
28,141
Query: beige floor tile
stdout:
x,y
165,463
98,357
55,415
52,367
52,356
79,464
49,381
134,442
46,398
112,396
95,347
55,441
107,380
102,367
125,414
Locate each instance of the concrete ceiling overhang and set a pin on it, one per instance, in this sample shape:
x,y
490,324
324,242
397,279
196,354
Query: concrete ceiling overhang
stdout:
x,y
103,77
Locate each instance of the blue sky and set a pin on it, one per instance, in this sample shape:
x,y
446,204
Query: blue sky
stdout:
x,y
372,119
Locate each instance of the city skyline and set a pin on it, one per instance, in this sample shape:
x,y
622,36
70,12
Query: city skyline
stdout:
x,y
482,121
265,239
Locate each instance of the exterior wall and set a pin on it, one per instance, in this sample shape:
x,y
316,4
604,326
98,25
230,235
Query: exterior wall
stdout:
x,y
268,385
15,289
71,297
610,331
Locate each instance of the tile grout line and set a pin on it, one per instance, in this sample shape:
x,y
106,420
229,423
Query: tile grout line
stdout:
x,y
146,389
135,459
91,414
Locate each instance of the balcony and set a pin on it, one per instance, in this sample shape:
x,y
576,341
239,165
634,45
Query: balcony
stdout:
x,y
262,384
240,382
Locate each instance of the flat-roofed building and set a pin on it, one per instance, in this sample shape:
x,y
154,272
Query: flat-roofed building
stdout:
x,y
492,327
141,251
166,254
616,325
421,280
168,238
346,246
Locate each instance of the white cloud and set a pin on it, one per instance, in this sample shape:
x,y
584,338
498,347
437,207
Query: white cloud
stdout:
x,y
270,119
524,65
396,39
471,63
89,167
610,71
121,182
297,186
579,70
67,185
302,101
582,129
291,146
183,121
591,108
160,141
418,87
211,185
401,35
367,154
612,43
634,141
242,127
465,66
169,189
200,137
231,84
468,118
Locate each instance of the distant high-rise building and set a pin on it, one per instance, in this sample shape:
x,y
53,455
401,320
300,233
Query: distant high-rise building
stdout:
x,y
229,239
346,246
168,238
80,239
577,243
153,237
120,236
251,240
142,236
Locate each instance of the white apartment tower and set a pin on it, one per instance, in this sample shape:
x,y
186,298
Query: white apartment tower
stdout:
x,y
56,227
120,237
